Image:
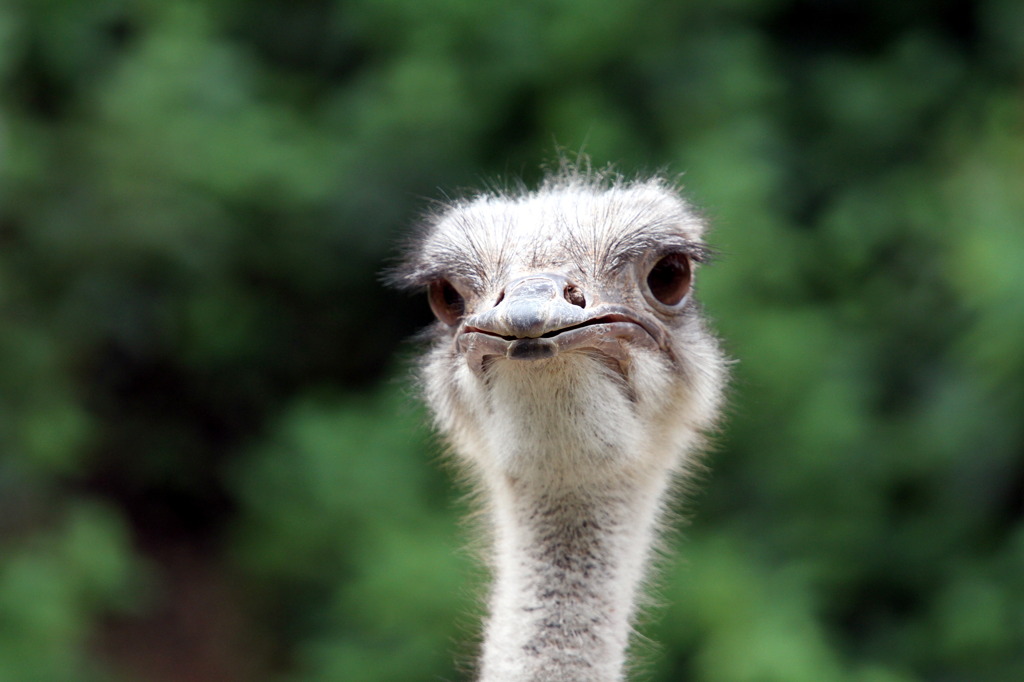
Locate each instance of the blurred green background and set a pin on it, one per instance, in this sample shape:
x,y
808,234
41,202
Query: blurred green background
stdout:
x,y
212,467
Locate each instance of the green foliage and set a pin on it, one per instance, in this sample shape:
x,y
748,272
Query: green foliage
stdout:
x,y
50,584
197,198
341,509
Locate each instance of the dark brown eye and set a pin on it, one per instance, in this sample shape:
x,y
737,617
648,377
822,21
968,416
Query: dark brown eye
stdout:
x,y
669,279
447,303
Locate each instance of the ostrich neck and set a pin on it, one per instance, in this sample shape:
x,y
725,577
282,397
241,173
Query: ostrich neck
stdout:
x,y
568,563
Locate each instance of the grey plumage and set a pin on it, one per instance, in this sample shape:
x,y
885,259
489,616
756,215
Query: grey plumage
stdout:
x,y
574,377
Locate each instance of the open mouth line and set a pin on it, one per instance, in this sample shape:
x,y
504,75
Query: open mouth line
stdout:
x,y
603,319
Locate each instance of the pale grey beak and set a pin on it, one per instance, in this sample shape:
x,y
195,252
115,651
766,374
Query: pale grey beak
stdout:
x,y
531,307
542,315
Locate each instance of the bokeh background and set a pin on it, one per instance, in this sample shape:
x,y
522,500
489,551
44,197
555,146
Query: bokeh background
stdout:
x,y
212,467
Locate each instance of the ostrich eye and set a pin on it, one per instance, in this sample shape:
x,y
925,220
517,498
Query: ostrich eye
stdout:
x,y
669,279
447,303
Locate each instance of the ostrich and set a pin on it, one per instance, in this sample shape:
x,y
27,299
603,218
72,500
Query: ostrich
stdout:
x,y
574,378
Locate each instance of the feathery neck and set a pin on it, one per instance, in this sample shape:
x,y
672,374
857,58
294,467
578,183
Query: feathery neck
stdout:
x,y
568,564
574,467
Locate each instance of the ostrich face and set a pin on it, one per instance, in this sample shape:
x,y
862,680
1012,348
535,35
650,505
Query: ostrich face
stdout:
x,y
567,323
541,313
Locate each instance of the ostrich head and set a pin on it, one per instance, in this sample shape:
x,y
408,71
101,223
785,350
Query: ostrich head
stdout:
x,y
572,373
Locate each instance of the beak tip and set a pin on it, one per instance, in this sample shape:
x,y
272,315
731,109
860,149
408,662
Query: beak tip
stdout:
x,y
531,349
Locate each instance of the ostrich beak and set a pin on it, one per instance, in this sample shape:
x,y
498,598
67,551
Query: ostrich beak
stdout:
x,y
542,315
531,307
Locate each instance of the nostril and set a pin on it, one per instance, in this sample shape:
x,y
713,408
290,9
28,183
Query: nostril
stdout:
x,y
501,297
573,295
